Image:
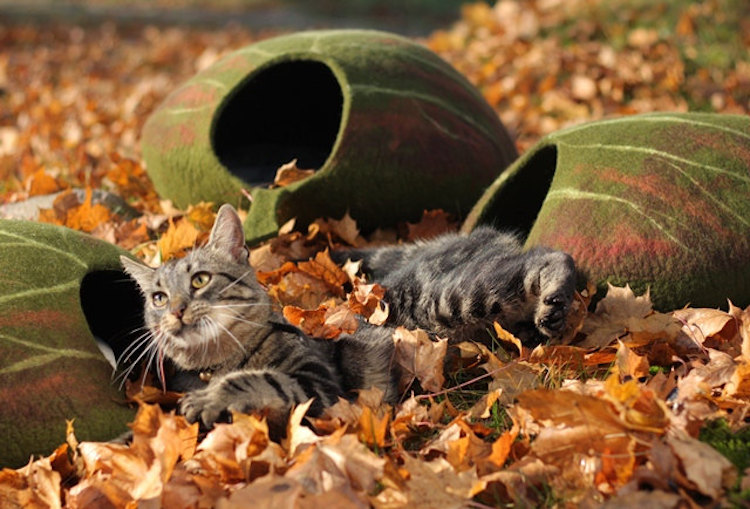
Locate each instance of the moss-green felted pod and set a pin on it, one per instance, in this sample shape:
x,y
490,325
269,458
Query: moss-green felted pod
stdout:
x,y
390,128
659,200
58,288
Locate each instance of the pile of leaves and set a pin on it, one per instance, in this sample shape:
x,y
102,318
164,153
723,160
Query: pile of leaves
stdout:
x,y
632,405
613,410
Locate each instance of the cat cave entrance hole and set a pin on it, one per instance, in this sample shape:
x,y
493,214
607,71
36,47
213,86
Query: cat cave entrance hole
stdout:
x,y
113,307
516,204
290,110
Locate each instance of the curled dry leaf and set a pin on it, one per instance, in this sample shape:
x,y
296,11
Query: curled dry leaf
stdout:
x,y
289,173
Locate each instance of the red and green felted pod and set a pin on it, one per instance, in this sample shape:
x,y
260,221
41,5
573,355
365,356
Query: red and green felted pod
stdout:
x,y
390,128
58,288
657,200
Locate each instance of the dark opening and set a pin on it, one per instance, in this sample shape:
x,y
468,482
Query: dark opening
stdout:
x,y
113,308
291,110
516,206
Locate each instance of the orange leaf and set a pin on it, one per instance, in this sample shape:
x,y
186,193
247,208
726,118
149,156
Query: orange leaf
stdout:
x,y
508,337
325,269
432,224
86,217
289,174
202,215
373,429
366,300
179,237
41,182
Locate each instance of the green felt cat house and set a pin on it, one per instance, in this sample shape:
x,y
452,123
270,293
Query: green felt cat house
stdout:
x,y
390,128
658,201
58,290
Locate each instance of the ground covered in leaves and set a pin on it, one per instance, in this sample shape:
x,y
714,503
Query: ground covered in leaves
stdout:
x,y
632,407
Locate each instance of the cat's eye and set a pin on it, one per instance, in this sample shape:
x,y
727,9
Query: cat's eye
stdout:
x,y
159,299
200,279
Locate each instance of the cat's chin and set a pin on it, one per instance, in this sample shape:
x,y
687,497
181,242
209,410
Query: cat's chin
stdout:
x,y
199,354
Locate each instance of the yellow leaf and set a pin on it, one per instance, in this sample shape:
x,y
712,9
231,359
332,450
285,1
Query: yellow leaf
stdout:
x,y
504,335
373,429
179,237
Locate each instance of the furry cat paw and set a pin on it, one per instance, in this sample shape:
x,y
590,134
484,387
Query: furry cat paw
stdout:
x,y
557,286
203,406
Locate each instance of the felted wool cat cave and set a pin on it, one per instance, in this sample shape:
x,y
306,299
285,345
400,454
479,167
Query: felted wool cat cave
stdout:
x,y
60,288
656,201
390,128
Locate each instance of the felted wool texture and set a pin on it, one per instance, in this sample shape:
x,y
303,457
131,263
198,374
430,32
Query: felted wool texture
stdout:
x,y
659,201
414,134
50,367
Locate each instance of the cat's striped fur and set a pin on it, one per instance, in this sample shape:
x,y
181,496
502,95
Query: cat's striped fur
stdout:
x,y
457,285
208,315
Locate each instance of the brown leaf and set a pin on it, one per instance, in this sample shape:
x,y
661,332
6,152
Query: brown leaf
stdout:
x,y
708,470
432,484
323,268
420,357
328,321
432,224
289,174
367,300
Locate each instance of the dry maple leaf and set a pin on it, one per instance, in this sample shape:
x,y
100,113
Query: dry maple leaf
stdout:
x,y
621,313
709,471
181,236
327,321
87,217
367,300
576,430
420,358
433,484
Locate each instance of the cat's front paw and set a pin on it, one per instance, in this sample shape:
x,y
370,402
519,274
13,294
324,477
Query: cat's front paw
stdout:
x,y
557,287
203,406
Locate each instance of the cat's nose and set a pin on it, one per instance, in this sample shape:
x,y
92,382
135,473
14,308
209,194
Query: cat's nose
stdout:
x,y
178,309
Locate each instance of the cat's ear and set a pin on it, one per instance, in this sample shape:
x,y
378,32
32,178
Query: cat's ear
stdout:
x,y
227,235
138,271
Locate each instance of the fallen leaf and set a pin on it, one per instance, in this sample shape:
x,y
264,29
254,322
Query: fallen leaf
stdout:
x,y
87,216
420,358
704,466
289,173
432,224
179,237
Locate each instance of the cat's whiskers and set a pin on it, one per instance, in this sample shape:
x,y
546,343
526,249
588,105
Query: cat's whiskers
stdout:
x,y
150,350
246,304
221,326
230,285
235,316
134,346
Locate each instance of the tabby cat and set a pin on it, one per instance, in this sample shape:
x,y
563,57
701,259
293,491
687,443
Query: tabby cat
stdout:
x,y
207,314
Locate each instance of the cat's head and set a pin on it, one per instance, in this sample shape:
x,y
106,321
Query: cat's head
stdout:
x,y
205,309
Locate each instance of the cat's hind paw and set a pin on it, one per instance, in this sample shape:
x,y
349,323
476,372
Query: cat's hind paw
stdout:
x,y
557,287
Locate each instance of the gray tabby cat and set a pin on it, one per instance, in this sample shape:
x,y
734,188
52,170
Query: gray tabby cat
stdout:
x,y
208,315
